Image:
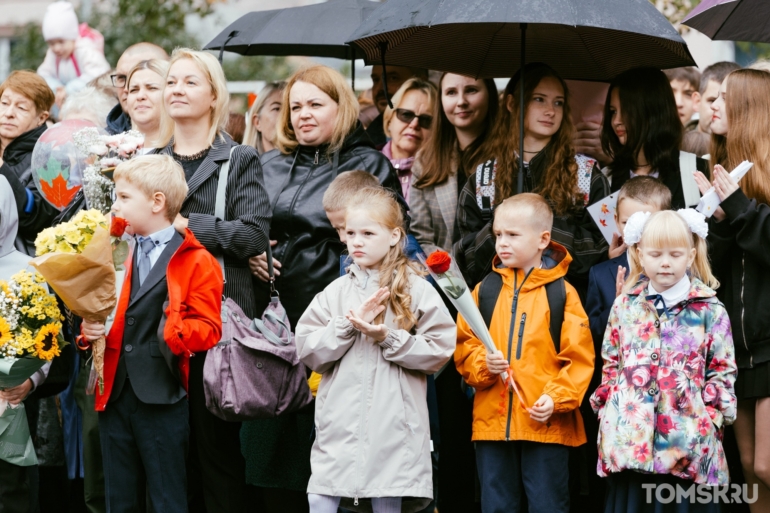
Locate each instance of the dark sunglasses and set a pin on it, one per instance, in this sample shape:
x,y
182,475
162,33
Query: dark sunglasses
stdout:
x,y
407,116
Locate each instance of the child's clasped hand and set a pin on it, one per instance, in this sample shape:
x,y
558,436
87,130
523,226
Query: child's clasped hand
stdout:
x,y
362,317
92,330
542,410
496,362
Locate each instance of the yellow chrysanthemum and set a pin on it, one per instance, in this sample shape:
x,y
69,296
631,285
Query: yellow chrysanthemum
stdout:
x,y
5,332
46,343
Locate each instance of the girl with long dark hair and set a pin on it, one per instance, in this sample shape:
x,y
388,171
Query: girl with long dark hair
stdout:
x,y
642,131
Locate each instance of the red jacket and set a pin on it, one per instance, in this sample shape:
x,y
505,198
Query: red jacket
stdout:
x,y
194,321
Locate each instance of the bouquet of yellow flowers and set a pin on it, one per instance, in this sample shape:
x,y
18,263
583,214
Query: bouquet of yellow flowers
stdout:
x,y
76,259
30,336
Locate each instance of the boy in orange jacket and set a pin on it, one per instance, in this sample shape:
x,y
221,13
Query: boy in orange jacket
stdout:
x,y
525,441
168,310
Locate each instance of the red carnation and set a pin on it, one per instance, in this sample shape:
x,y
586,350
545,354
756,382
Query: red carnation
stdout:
x,y
439,262
118,226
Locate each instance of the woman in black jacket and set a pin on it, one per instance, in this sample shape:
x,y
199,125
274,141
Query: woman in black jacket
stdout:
x,y
25,101
642,131
318,137
739,235
195,114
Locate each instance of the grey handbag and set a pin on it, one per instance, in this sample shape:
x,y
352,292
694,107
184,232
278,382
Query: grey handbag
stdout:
x,y
254,371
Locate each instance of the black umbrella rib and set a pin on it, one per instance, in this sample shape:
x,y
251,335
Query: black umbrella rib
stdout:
x,y
488,49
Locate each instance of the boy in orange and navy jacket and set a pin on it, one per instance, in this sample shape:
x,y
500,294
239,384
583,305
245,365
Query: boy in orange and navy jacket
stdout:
x,y
527,443
168,310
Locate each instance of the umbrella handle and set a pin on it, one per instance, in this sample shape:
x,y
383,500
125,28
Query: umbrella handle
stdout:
x,y
520,174
383,48
232,34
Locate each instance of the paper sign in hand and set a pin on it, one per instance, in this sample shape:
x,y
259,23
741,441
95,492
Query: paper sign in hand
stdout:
x,y
603,214
710,200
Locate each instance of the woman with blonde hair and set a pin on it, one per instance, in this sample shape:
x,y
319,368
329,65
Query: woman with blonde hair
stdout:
x,y
262,117
738,240
318,137
192,132
408,125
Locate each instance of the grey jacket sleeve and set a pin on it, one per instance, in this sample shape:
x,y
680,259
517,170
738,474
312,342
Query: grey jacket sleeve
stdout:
x,y
431,343
323,339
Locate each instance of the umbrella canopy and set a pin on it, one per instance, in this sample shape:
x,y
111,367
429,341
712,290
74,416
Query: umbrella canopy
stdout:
x,y
580,39
732,20
318,30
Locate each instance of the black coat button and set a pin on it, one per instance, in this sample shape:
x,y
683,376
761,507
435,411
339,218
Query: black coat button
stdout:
x,y
129,348
130,321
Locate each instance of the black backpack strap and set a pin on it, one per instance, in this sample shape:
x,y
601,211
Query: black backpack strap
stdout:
x,y
485,185
557,300
489,291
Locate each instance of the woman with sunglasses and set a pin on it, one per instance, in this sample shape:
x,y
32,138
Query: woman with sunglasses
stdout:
x,y
408,125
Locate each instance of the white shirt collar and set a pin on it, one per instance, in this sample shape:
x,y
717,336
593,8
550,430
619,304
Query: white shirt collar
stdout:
x,y
675,294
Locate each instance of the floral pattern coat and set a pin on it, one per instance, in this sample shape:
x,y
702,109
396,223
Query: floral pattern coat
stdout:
x,y
667,387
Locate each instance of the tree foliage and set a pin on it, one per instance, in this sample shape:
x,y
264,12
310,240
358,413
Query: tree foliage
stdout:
x,y
676,11
126,22
28,49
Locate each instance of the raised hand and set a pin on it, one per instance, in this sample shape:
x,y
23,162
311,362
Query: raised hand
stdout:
x,y
361,318
620,280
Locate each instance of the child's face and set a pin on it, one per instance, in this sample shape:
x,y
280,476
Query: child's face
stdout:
x,y
687,99
665,266
144,214
62,48
368,241
617,117
629,207
518,243
337,219
719,124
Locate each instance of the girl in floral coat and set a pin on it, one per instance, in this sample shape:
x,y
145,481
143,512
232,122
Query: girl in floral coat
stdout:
x,y
669,369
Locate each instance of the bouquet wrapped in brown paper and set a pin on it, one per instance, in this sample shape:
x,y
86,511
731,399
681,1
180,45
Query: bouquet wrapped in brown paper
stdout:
x,y
76,259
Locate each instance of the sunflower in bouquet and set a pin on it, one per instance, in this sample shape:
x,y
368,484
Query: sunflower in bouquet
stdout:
x,y
30,326
30,336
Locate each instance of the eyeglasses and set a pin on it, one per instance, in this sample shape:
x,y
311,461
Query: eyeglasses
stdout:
x,y
118,80
407,116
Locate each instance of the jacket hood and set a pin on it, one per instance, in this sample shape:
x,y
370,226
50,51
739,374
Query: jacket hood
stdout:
x,y
555,263
118,121
9,218
23,145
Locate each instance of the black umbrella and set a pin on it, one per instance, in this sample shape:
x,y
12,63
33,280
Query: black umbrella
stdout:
x,y
318,30
580,39
732,20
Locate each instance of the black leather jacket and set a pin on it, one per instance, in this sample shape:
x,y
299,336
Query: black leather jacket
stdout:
x,y
308,247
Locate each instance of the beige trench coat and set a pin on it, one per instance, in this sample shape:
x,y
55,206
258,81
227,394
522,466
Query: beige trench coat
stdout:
x,y
371,416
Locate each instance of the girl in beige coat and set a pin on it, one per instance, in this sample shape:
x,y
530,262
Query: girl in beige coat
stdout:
x,y
374,334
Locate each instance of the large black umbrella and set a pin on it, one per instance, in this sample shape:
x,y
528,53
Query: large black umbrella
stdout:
x,y
318,30
732,20
580,39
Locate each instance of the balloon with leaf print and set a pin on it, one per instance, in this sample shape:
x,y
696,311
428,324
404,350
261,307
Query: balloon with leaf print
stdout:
x,y
57,164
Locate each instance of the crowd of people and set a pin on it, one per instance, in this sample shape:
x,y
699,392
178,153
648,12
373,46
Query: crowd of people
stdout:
x,y
636,363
